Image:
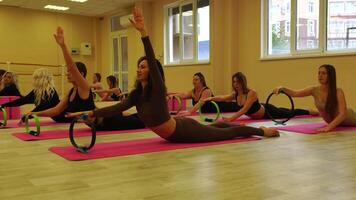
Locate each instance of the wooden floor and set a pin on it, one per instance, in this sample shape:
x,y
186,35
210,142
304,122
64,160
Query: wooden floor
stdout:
x,y
294,166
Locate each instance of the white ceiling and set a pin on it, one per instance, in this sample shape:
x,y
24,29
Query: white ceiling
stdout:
x,y
89,8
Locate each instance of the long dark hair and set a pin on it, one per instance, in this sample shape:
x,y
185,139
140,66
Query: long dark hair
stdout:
x,y
82,68
242,79
201,77
145,93
113,80
331,105
98,76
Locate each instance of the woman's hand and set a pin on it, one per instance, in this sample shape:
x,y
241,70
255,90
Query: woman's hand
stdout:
x,y
324,129
278,90
59,36
138,21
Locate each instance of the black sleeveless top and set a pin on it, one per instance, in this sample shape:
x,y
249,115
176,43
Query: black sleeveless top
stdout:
x,y
201,92
78,104
253,109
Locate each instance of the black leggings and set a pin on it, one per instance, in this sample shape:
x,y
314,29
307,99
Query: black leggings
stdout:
x,y
119,122
278,113
190,131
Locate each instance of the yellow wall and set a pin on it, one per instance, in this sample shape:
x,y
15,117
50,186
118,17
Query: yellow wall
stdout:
x,y
26,36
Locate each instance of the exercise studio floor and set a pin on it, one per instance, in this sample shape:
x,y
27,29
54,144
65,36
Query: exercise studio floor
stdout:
x,y
293,166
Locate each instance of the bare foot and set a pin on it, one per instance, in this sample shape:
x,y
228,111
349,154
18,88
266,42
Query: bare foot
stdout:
x,y
270,132
313,112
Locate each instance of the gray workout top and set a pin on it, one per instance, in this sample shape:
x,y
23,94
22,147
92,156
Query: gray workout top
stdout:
x,y
152,111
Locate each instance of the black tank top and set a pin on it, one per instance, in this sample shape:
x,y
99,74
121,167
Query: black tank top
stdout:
x,y
201,92
78,104
253,109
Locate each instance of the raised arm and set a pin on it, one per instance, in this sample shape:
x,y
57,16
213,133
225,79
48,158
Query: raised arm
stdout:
x,y
342,112
82,83
308,91
139,24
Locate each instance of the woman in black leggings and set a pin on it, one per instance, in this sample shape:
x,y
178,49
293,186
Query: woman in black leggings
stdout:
x,y
248,103
149,97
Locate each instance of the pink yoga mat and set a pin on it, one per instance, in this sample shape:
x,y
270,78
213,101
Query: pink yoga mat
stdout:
x,y
14,123
80,132
124,148
246,120
312,128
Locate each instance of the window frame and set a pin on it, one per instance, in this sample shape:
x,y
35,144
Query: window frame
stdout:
x,y
181,61
322,29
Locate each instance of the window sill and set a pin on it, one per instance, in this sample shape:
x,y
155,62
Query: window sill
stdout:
x,y
186,64
309,55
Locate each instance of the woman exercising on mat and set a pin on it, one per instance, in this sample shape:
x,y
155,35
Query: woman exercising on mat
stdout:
x,y
113,93
80,97
149,97
44,95
248,103
328,99
199,92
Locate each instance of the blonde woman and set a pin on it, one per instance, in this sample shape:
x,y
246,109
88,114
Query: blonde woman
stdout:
x,y
44,95
10,87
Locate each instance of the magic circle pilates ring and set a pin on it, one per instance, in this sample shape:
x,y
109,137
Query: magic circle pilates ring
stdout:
x,y
37,125
206,119
4,114
282,121
179,100
79,148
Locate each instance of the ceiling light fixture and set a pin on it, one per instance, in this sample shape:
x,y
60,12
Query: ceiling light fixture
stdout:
x,y
53,7
80,1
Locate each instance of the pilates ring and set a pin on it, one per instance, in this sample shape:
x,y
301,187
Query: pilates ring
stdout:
x,y
4,114
179,100
206,119
281,122
37,124
80,148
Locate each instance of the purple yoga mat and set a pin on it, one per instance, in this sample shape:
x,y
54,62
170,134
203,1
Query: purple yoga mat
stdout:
x,y
312,128
79,132
131,147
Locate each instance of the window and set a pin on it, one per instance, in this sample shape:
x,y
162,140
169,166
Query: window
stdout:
x,y
342,20
297,32
120,60
187,32
278,43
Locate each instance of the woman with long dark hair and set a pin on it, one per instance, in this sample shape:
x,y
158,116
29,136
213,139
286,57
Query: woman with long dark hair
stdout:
x,y
198,93
113,93
248,103
329,100
149,97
